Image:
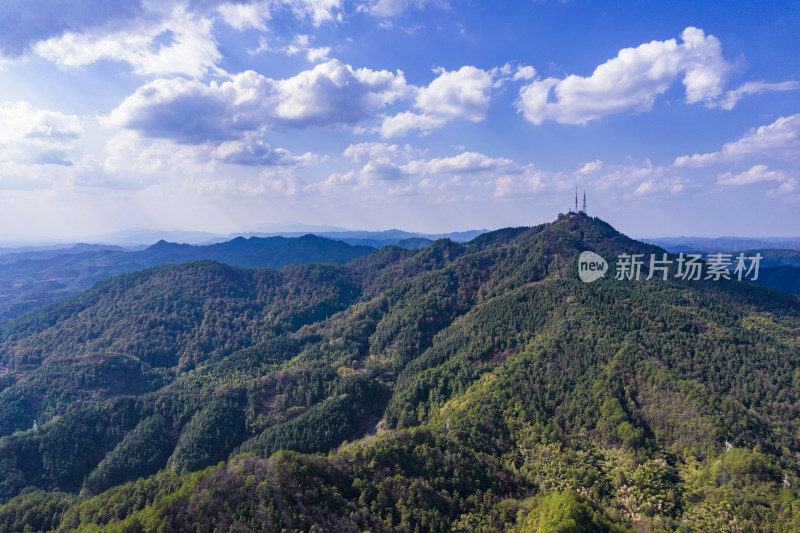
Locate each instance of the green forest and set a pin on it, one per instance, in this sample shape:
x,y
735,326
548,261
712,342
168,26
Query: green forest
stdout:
x,y
459,387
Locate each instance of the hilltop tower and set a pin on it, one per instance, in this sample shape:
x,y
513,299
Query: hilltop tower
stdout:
x,y
576,198
584,202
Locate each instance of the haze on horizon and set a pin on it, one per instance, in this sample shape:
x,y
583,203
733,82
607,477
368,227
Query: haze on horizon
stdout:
x,y
428,116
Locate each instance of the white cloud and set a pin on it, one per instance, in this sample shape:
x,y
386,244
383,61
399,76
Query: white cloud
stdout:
x,y
467,169
336,181
192,112
302,44
315,55
391,8
33,136
270,182
606,176
463,93
255,152
242,16
591,167
527,182
173,37
779,140
274,181
374,150
786,188
524,73
461,164
402,123
755,87
334,93
26,22
400,190
756,174
655,186
638,180
135,162
318,10
631,81
181,43
128,155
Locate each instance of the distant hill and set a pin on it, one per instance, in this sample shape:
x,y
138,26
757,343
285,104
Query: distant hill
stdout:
x,y
779,268
384,238
13,256
724,244
30,280
414,243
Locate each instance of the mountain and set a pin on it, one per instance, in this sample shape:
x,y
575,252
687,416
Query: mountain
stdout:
x,y
779,268
458,387
414,243
378,239
31,280
13,255
137,236
724,244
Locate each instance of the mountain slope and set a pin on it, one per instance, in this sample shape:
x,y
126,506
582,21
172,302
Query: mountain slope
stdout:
x,y
29,283
510,395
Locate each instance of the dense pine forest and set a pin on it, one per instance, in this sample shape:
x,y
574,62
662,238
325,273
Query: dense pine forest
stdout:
x,y
459,387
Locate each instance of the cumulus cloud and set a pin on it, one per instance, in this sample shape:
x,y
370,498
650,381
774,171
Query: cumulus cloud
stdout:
x,y
463,93
591,167
606,176
524,183
367,151
631,81
245,15
255,152
173,36
130,158
26,22
756,174
779,140
401,123
192,112
635,179
391,8
461,164
467,169
33,136
524,73
181,43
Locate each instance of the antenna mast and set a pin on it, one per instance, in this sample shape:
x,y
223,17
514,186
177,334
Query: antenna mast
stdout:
x,y
576,198
584,202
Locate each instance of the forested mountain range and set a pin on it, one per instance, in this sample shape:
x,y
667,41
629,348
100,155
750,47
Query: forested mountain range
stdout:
x,y
780,264
32,279
458,387
725,244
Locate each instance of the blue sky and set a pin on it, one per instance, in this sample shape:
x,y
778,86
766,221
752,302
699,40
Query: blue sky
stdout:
x,y
677,118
